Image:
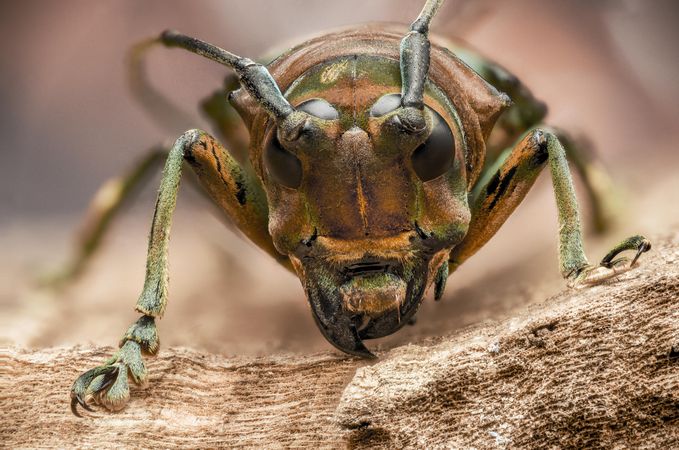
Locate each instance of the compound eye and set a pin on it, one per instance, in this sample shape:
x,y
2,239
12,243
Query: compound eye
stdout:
x,y
319,108
283,166
386,104
435,156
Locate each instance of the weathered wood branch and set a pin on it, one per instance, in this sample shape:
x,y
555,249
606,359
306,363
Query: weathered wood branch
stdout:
x,y
590,367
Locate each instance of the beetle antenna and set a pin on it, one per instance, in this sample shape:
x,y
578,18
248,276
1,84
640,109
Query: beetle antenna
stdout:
x,y
254,77
158,107
415,57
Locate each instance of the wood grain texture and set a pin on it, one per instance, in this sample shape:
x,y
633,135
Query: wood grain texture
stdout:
x,y
590,368
193,400
593,367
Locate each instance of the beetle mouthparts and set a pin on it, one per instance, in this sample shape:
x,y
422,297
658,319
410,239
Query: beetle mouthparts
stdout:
x,y
339,328
373,294
342,333
365,268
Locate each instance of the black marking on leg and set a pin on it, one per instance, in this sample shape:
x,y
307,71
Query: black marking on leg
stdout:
x,y
240,185
504,184
241,193
218,162
188,154
493,184
502,188
541,154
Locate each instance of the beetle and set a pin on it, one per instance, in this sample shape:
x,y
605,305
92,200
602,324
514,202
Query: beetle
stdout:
x,y
375,167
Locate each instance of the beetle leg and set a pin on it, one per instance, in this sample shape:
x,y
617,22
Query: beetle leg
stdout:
x,y
103,208
527,112
236,193
498,198
638,243
603,198
161,109
107,385
601,193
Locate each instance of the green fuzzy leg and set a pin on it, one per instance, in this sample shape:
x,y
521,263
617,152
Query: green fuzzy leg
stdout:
x,y
638,243
601,193
153,299
103,209
572,257
98,383
108,384
498,196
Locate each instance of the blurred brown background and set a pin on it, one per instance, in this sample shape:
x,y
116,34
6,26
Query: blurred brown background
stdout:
x,y
607,69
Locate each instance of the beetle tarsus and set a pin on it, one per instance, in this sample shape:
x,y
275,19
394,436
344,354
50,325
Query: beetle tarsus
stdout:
x,y
638,243
643,248
91,383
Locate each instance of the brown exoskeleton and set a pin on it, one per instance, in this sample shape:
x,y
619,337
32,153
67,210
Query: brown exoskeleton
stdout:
x,y
366,174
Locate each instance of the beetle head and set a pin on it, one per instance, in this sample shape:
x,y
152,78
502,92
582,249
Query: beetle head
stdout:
x,y
366,206
367,196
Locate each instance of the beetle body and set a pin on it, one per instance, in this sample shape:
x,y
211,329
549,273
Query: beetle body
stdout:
x,y
380,232
366,173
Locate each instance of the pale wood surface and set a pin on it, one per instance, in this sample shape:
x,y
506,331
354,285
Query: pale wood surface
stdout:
x,y
590,367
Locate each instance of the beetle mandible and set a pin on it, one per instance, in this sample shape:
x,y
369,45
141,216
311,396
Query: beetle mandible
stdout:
x,y
373,172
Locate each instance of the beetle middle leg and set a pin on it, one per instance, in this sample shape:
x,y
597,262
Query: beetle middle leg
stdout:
x,y
104,207
528,112
118,190
602,197
499,196
238,194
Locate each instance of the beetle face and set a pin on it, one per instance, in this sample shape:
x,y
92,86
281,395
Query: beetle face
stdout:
x,y
366,210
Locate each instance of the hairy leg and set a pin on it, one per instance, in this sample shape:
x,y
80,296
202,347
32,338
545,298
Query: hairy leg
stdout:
x,y
500,195
527,112
104,207
238,194
602,197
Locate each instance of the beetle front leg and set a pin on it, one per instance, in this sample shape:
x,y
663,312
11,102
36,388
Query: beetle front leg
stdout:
x,y
498,198
107,385
103,209
239,196
526,113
